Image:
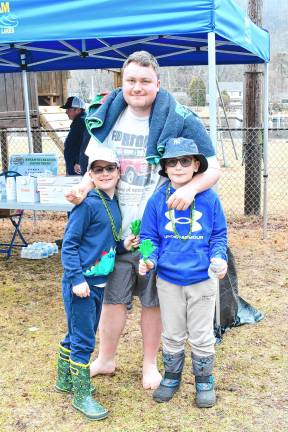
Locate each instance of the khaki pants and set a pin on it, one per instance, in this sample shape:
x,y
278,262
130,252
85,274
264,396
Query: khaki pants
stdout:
x,y
187,312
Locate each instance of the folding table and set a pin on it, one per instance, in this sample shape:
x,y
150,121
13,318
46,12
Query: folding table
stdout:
x,y
17,216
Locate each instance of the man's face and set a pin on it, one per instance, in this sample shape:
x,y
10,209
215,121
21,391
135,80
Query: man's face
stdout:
x,y
72,113
140,87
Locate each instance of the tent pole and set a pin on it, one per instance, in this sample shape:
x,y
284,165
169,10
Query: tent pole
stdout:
x,y
265,149
212,88
26,101
213,136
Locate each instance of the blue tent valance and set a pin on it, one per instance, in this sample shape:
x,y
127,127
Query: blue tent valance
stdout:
x,y
84,34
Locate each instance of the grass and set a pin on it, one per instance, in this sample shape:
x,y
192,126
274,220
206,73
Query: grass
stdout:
x,y
251,366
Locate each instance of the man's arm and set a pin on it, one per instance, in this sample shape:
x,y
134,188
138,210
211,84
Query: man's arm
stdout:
x,y
78,193
182,198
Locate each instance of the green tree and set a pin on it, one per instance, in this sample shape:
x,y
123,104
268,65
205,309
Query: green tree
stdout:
x,y
197,92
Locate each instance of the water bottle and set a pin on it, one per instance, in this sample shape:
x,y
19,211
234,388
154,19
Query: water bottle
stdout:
x,y
49,249
44,251
23,253
214,268
55,248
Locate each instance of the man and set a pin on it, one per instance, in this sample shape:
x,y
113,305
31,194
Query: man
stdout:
x,y
136,122
77,138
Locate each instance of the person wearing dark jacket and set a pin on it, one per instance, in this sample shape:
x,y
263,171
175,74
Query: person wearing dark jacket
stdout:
x,y
77,138
91,236
189,255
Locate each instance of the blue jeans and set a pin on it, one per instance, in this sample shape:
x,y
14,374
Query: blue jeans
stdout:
x,y
83,315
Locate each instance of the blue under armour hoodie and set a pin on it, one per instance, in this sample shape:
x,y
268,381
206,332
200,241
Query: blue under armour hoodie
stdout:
x,y
185,262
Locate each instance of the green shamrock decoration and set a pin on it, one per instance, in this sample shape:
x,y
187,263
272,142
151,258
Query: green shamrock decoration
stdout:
x,y
146,248
135,229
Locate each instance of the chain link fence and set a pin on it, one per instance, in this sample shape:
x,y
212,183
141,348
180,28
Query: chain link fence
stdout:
x,y
240,152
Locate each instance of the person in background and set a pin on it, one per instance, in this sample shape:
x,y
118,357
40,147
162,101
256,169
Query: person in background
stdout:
x,y
136,121
77,138
189,247
91,236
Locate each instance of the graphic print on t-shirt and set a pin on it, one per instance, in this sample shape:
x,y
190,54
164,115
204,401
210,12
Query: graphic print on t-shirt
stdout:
x,y
131,149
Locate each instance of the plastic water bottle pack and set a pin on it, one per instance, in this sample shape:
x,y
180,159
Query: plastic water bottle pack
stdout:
x,y
39,250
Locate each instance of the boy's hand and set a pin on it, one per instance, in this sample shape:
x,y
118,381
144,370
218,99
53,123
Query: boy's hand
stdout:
x,y
131,242
145,267
218,267
81,290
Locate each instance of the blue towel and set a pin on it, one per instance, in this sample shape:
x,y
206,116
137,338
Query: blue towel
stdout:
x,y
168,119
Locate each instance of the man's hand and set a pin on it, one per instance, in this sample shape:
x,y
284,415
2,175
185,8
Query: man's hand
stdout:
x,y
182,198
81,290
131,242
76,195
77,169
218,267
79,192
145,267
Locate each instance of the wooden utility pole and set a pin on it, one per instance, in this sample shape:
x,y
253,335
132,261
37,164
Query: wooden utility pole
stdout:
x,y
253,122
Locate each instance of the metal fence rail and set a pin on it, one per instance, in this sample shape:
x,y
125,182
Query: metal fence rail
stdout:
x,y
240,152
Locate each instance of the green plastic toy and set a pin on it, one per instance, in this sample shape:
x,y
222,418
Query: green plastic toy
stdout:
x,y
135,227
135,230
146,248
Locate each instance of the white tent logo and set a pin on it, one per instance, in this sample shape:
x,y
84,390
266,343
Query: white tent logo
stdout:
x,y
183,220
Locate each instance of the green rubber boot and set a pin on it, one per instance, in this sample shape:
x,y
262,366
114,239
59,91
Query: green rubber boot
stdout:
x,y
83,400
64,379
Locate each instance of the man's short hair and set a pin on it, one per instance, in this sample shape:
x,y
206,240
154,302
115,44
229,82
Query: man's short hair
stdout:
x,y
144,58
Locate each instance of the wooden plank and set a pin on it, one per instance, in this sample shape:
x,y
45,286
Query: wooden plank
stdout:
x,y
10,92
3,98
18,90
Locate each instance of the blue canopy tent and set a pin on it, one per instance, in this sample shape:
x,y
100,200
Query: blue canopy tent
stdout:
x,y
83,34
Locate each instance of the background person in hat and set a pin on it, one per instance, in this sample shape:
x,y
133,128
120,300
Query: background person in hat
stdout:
x,y
136,121
88,254
77,138
188,243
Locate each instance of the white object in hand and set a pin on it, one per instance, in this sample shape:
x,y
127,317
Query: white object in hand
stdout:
x,y
216,266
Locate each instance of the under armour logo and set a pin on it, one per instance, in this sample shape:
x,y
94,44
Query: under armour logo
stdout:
x,y
182,220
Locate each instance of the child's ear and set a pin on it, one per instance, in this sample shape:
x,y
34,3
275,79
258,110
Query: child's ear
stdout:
x,y
91,178
196,166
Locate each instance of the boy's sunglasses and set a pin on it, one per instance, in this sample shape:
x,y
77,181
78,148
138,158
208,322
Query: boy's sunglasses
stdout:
x,y
184,161
108,168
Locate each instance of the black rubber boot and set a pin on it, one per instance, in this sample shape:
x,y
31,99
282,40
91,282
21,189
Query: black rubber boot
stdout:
x,y
170,383
204,381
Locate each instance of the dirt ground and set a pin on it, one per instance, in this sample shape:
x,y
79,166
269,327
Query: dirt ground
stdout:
x,y
251,367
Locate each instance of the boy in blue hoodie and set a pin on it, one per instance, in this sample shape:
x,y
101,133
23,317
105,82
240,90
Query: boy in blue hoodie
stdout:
x,y
189,256
88,253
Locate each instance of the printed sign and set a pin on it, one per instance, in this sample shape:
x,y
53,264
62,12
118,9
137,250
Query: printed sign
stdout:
x,y
34,164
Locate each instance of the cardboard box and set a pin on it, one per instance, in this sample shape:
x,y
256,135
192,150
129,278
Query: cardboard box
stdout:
x,y
53,189
26,189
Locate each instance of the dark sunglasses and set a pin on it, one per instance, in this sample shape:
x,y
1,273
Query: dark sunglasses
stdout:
x,y
184,162
108,168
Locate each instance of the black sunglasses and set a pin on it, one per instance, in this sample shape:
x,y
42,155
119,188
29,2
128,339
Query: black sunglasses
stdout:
x,y
108,168
184,162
